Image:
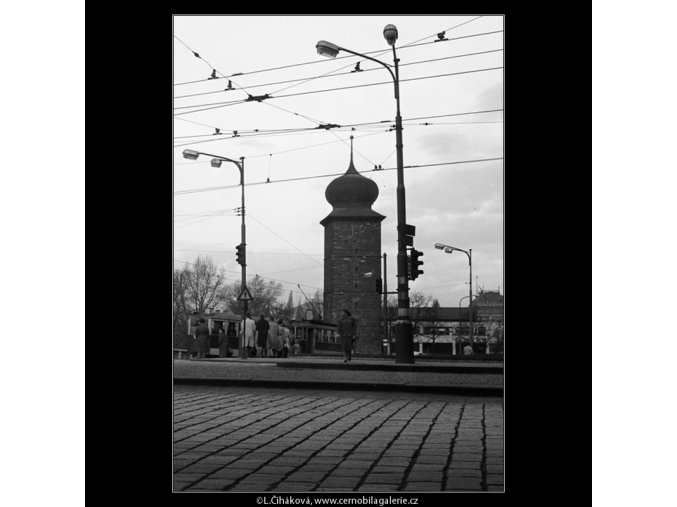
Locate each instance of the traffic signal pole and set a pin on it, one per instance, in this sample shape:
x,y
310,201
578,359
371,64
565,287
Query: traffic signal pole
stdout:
x,y
242,349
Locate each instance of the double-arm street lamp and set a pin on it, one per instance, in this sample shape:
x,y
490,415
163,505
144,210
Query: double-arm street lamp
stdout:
x,y
403,330
242,248
450,249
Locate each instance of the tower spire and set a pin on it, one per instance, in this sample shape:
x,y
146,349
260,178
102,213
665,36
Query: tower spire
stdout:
x,y
351,149
351,166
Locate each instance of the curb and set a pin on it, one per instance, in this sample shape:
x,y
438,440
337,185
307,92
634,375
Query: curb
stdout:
x,y
466,390
394,367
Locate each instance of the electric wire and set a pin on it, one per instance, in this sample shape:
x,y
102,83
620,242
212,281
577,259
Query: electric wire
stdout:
x,y
207,189
216,105
261,276
291,131
330,74
257,252
284,151
214,70
363,124
325,60
283,239
341,68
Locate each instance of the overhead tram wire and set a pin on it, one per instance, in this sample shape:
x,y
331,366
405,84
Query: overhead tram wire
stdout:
x,y
283,239
370,130
228,251
320,124
226,187
376,53
329,74
268,134
260,276
214,69
285,151
324,60
216,105
374,124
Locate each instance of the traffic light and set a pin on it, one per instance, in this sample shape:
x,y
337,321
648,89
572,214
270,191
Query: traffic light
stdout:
x,y
240,255
379,286
415,263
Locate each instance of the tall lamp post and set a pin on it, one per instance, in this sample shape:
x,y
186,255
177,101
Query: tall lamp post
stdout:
x,y
242,248
450,249
403,330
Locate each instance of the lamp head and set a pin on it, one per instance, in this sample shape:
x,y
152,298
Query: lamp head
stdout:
x,y
390,33
190,154
439,246
216,162
327,49
449,249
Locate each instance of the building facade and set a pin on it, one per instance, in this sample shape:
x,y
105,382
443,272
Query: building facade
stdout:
x,y
352,256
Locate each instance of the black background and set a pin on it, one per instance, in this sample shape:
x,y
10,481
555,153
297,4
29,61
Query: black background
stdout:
x,y
547,261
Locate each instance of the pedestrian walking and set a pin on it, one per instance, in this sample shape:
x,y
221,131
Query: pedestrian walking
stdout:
x,y
262,327
202,338
347,330
247,330
273,337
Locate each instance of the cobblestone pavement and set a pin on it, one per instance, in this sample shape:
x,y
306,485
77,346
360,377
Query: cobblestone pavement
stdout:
x,y
252,439
269,372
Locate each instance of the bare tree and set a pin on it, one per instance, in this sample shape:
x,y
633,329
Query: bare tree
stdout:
x,y
418,303
180,308
265,294
204,282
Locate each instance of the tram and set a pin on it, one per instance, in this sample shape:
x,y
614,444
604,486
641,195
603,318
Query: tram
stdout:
x,y
315,337
216,321
309,336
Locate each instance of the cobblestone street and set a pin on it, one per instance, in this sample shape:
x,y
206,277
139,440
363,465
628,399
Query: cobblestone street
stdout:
x,y
253,439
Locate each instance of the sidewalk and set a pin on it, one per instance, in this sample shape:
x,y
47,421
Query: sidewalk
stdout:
x,y
449,377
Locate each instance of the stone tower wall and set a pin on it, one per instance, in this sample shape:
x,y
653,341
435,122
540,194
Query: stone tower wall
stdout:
x,y
352,247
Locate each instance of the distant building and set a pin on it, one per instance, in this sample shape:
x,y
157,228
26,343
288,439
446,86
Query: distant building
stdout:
x,y
352,256
488,306
447,330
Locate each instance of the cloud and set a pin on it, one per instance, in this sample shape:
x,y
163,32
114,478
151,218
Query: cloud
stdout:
x,y
491,98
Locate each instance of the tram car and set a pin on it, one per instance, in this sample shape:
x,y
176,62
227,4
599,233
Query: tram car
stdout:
x,y
312,336
216,321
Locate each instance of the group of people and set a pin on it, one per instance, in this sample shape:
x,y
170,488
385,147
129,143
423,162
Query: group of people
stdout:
x,y
272,338
202,338
266,337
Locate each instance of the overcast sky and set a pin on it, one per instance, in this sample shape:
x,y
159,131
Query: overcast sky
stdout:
x,y
457,204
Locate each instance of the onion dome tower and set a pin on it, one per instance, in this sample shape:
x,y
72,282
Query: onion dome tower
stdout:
x,y
352,256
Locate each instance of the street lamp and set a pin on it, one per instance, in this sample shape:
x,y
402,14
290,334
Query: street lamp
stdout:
x,y
450,249
403,330
216,162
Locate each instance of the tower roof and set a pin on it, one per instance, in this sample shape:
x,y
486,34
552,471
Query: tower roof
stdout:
x,y
352,194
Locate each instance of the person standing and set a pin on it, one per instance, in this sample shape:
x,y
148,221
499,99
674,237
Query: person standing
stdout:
x,y
347,330
247,332
202,338
273,337
262,336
